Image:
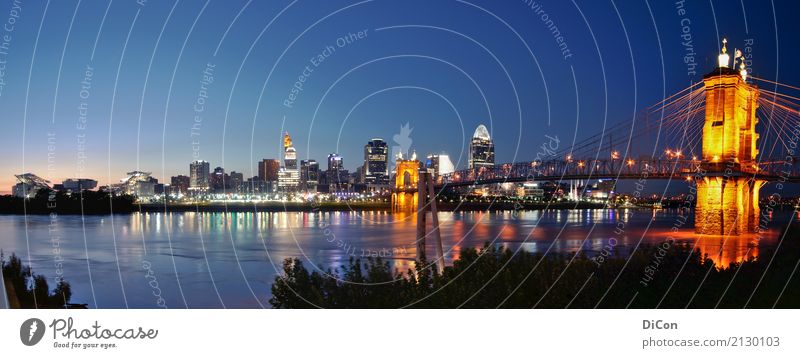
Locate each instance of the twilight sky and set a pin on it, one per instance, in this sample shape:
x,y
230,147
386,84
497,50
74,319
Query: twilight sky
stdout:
x,y
101,88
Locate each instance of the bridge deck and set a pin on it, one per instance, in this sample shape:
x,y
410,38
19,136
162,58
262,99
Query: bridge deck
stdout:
x,y
663,169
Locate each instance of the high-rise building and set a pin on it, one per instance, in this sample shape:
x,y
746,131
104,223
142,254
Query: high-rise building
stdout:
x,y
219,180
376,162
289,175
481,149
309,174
335,168
179,184
440,163
268,170
198,175
236,182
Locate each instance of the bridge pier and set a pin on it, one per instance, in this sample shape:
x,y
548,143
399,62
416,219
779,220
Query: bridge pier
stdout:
x,y
427,202
727,206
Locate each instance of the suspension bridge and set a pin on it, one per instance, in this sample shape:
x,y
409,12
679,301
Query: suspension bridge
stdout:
x,y
728,135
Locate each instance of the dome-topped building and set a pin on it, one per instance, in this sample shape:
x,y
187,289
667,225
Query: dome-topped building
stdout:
x,y
481,149
482,133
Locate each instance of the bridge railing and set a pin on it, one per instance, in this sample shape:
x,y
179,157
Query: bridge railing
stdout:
x,y
613,168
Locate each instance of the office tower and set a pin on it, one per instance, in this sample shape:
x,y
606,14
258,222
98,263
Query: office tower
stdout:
x,y
376,162
481,149
198,175
289,175
268,170
309,174
335,167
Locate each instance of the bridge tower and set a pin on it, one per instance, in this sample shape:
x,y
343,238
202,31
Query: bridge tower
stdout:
x,y
406,180
414,193
727,194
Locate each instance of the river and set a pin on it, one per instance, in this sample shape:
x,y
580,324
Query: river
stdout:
x,y
215,260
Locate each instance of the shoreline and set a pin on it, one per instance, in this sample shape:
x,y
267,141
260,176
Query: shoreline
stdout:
x,y
344,206
293,207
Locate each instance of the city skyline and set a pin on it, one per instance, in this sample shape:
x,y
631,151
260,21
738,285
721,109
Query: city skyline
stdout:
x,y
200,95
199,171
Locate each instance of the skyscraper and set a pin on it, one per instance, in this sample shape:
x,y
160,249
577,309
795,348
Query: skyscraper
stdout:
x,y
481,149
309,174
198,175
268,170
376,162
289,176
335,167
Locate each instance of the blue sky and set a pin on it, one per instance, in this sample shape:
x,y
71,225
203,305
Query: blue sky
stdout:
x,y
442,66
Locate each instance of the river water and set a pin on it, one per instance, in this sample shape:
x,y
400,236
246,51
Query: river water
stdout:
x,y
215,260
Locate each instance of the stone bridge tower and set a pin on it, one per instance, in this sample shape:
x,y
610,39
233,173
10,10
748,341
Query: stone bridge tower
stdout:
x,y
727,193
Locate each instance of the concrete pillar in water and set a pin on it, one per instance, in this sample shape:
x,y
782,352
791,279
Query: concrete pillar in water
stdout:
x,y
421,219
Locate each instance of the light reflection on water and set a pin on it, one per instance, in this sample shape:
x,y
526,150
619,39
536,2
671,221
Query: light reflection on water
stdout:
x,y
242,250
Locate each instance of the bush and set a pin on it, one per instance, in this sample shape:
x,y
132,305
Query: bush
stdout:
x,y
495,277
32,291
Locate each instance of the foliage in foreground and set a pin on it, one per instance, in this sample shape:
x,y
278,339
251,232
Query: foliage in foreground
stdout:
x,y
32,291
495,277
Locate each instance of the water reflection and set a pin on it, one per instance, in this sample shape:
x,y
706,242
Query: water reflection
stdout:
x,y
244,250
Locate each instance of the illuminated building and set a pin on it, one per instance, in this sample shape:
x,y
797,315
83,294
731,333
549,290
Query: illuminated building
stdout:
x,y
376,162
28,185
440,163
309,175
335,168
481,149
530,191
198,175
137,183
289,175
